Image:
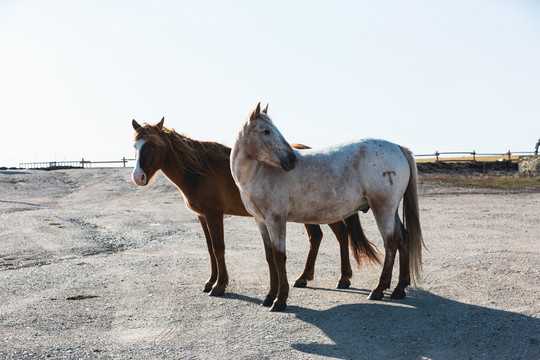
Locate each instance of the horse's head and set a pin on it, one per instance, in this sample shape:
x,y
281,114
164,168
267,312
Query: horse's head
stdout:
x,y
151,151
265,143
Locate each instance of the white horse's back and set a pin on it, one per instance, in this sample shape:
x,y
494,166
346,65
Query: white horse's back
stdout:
x,y
331,183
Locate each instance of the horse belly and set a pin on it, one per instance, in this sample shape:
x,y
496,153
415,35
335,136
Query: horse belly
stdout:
x,y
326,207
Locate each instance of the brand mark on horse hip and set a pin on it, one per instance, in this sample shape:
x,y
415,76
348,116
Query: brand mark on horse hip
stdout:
x,y
389,173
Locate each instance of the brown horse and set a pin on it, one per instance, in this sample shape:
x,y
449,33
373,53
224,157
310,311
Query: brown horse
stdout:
x,y
201,171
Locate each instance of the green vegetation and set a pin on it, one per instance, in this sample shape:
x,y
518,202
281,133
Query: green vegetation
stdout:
x,y
493,182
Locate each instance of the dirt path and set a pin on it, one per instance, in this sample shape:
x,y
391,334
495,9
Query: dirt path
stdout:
x,y
92,266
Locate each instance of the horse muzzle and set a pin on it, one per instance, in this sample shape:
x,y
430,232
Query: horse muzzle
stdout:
x,y
288,162
140,179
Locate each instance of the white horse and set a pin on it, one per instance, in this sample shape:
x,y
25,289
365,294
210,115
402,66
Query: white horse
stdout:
x,y
326,186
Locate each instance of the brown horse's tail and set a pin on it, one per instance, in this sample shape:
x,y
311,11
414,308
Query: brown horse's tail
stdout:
x,y
411,218
362,249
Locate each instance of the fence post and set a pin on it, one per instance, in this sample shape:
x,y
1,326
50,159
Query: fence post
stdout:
x,y
82,163
124,161
436,156
509,156
473,156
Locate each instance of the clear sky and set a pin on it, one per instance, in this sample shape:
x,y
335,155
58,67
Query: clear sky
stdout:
x,y
456,75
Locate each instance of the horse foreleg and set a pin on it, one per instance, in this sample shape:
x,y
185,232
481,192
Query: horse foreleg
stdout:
x,y
271,296
341,231
280,259
404,275
213,264
215,227
315,236
277,227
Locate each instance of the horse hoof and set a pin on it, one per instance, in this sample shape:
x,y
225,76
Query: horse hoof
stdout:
x,y
278,307
217,291
268,301
207,287
344,284
375,295
300,283
398,294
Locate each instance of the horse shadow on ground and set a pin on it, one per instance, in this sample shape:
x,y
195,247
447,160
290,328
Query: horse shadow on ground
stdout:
x,y
421,326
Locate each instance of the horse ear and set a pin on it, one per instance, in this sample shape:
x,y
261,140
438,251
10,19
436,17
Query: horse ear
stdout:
x,y
255,112
265,110
135,125
159,125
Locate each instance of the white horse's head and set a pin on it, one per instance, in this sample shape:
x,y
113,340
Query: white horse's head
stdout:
x,y
264,143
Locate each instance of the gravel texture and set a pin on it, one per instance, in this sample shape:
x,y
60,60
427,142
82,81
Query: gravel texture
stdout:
x,y
94,267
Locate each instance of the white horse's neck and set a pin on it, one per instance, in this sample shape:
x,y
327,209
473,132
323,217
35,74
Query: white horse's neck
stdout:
x,y
241,161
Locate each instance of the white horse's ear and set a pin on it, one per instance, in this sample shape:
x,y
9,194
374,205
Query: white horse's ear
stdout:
x,y
159,125
255,113
135,125
265,110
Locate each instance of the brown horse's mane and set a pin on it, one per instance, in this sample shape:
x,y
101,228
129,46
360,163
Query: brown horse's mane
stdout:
x,y
193,155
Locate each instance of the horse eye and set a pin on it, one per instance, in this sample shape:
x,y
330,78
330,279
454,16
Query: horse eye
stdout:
x,y
265,132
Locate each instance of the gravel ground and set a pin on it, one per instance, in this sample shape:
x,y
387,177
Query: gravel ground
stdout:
x,y
92,266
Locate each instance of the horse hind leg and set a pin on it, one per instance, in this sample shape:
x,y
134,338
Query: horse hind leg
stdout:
x,y
404,275
342,235
315,236
388,229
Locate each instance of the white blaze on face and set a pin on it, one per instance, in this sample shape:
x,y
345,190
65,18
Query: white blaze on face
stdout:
x,y
138,173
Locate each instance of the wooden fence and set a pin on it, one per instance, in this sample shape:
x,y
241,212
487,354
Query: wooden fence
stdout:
x,y
464,156
74,164
453,156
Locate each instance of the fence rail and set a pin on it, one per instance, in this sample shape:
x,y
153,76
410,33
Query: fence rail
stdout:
x,y
508,156
82,164
437,156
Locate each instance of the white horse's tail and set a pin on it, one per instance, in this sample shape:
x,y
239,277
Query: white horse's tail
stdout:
x,y
411,219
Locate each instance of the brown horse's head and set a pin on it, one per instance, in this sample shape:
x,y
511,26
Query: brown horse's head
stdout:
x,y
151,151
265,143
160,148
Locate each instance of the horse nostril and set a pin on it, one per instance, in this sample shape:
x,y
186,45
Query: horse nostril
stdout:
x,y
140,179
292,158
289,162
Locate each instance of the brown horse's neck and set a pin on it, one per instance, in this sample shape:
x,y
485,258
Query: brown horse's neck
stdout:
x,y
184,179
